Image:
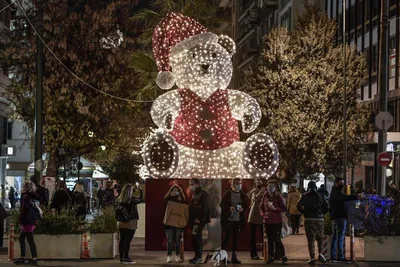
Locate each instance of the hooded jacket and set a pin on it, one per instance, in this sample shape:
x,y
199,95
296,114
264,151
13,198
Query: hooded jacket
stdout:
x,y
313,206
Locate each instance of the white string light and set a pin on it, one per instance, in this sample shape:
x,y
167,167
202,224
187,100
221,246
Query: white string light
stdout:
x,y
70,71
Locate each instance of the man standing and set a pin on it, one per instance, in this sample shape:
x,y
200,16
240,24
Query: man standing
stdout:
x,y
338,214
100,196
313,206
199,216
322,191
233,205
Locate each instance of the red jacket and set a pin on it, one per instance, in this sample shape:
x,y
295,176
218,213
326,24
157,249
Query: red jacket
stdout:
x,y
272,216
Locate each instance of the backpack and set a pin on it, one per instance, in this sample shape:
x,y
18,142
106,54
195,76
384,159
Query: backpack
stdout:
x,y
34,214
122,214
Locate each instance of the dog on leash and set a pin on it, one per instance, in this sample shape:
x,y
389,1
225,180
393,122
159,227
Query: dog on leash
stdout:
x,y
218,257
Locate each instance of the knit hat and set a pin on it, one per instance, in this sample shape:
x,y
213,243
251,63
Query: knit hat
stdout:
x,y
174,34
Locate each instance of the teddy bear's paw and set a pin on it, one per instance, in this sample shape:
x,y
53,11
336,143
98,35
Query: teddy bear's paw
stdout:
x,y
161,155
260,156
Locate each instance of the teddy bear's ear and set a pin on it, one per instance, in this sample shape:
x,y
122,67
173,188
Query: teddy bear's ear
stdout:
x,y
227,43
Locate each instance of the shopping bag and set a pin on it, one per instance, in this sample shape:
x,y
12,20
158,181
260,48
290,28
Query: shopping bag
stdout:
x,y
176,214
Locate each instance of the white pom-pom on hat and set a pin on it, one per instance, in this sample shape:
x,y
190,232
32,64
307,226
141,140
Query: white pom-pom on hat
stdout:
x,y
165,80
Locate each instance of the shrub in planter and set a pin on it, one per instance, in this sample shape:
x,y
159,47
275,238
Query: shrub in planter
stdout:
x,y
103,235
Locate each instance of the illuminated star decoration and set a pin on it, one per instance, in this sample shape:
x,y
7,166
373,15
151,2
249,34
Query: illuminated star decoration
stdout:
x,y
198,122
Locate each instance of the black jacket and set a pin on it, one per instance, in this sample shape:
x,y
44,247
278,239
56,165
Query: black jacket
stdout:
x,y
226,204
108,198
79,201
132,206
313,205
199,207
61,199
337,203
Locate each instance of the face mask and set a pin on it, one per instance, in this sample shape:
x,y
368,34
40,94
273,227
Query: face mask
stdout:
x,y
193,188
237,187
271,189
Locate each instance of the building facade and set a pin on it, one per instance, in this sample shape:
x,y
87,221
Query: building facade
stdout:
x,y
363,32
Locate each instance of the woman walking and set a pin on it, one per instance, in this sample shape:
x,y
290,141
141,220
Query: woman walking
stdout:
x,y
271,208
127,217
79,201
28,219
255,219
295,216
175,194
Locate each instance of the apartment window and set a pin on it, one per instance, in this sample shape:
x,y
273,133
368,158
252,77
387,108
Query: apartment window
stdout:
x,y
367,56
392,57
367,9
9,130
359,13
374,60
375,8
286,19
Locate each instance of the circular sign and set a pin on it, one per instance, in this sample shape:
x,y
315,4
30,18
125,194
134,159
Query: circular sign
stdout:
x,y
384,159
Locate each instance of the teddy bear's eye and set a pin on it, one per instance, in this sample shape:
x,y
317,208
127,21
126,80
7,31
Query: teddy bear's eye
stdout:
x,y
214,55
194,54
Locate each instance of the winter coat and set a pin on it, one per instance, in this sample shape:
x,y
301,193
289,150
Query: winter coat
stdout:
x,y
61,199
255,196
108,198
226,204
337,205
26,204
291,203
79,201
313,206
199,208
271,216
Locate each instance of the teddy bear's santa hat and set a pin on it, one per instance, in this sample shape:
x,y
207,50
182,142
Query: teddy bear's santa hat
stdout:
x,y
174,34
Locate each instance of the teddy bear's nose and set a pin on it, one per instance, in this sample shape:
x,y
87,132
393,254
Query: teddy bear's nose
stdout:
x,y
205,66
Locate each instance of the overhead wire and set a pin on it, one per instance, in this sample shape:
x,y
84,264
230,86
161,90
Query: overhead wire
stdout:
x,y
69,70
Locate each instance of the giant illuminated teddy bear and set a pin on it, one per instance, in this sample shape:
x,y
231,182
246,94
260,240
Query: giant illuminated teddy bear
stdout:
x,y
198,123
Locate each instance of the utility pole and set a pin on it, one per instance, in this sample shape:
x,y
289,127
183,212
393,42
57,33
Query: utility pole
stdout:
x,y
344,96
383,88
39,94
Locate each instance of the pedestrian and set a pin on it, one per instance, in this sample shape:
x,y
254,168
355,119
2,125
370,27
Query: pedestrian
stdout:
x,y
109,197
127,216
338,215
255,219
322,191
100,196
199,216
313,206
175,194
271,208
12,197
62,198
79,201
41,190
28,219
233,206
295,216
3,216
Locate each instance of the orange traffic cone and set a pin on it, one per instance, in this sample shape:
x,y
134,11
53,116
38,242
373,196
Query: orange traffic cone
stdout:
x,y
85,248
11,243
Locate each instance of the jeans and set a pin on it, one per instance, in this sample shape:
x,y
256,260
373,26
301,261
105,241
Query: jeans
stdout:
x,y
31,242
197,243
253,238
125,238
314,231
233,230
337,241
295,222
174,236
276,249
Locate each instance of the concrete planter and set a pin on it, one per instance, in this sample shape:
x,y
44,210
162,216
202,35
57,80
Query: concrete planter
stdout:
x,y
388,251
103,246
53,247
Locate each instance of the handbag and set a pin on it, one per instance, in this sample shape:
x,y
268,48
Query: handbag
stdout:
x,y
122,214
176,214
34,214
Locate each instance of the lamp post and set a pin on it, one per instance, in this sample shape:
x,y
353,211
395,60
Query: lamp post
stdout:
x,y
344,96
383,86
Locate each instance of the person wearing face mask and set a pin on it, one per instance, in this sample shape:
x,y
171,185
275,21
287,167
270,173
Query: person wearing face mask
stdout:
x,y
271,207
233,206
199,216
255,218
175,194
338,215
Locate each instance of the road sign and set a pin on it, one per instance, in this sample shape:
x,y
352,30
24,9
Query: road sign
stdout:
x,y
384,120
384,159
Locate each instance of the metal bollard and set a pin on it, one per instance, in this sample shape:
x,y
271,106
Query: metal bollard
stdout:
x,y
265,244
352,240
11,243
182,247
